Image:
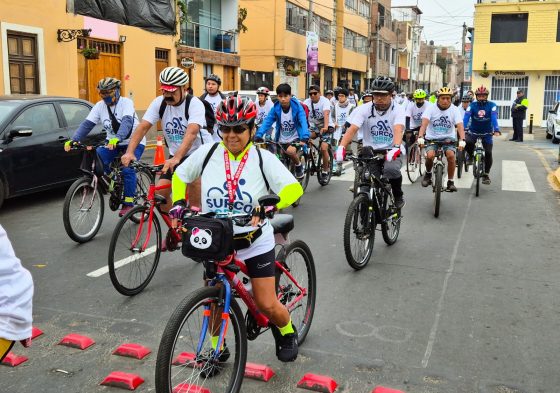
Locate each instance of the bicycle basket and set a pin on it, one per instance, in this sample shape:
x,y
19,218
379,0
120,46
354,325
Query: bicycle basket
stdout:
x,y
207,238
90,158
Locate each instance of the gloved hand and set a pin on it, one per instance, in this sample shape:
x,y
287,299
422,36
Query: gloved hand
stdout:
x,y
178,209
393,154
112,143
340,152
421,142
497,132
462,144
68,145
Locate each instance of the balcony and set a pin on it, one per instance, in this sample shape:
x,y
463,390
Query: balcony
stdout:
x,y
201,36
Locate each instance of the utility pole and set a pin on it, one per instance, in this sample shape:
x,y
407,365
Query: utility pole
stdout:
x,y
464,38
377,28
430,70
397,59
310,26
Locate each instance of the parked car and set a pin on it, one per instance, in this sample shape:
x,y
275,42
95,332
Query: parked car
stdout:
x,y
33,129
252,94
553,124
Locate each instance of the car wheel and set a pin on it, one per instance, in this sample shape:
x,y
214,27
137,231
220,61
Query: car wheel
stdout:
x,y
548,133
555,140
2,192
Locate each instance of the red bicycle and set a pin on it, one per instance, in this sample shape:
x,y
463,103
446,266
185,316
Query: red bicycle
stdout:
x,y
136,243
186,361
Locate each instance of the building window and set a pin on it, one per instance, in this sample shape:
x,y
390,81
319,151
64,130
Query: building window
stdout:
x,y
324,29
207,69
204,24
354,41
503,89
509,28
387,55
393,55
551,94
381,15
252,80
351,5
23,63
364,8
296,18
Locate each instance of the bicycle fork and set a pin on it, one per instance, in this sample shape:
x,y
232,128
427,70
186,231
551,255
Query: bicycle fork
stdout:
x,y
94,187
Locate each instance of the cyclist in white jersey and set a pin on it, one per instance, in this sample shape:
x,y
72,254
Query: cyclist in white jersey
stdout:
x,y
214,96
264,106
414,113
183,122
320,122
438,124
353,98
383,123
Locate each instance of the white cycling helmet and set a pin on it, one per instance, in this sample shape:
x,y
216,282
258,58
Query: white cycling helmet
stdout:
x,y
173,76
108,83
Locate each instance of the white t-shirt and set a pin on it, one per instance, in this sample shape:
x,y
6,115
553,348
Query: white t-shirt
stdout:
x,y
288,131
251,187
16,293
378,131
442,123
360,130
317,112
415,113
124,107
353,98
341,116
174,124
214,101
262,111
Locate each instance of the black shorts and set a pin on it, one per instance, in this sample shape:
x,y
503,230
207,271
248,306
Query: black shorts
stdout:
x,y
262,265
169,174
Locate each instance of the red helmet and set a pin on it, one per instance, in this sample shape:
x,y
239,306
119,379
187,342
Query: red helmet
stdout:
x,y
481,90
236,110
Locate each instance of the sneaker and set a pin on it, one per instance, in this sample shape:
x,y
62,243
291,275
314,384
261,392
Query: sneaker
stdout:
x,y
286,346
125,210
451,186
324,174
212,367
486,179
427,180
351,189
299,172
399,202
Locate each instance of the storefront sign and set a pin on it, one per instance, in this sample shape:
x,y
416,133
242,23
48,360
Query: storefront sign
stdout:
x,y
510,73
187,62
312,40
468,62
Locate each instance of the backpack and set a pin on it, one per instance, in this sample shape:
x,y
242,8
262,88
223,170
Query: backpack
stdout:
x,y
208,113
213,149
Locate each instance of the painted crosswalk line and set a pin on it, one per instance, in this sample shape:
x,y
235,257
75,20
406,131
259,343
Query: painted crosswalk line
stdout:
x,y
125,261
515,177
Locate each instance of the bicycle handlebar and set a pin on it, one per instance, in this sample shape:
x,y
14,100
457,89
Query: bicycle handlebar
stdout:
x,y
143,165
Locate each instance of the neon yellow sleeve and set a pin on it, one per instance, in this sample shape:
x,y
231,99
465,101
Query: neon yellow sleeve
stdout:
x,y
525,102
178,188
289,194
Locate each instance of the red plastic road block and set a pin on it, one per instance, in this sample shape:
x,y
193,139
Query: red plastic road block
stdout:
x,y
258,371
122,380
35,332
186,388
132,350
382,389
13,360
77,341
317,383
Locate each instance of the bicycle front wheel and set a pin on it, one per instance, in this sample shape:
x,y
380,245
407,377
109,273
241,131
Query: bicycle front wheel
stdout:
x,y
413,163
297,259
185,360
132,261
83,210
437,188
391,225
359,233
143,180
479,172
460,160
306,169
324,179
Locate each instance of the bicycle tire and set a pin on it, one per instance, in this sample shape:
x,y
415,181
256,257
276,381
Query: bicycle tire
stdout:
x,y
303,160
390,227
83,184
324,180
359,205
121,263
479,172
460,160
412,163
302,316
172,373
437,188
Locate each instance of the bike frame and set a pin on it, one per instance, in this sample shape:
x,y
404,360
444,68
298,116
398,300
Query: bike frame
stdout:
x,y
438,161
373,187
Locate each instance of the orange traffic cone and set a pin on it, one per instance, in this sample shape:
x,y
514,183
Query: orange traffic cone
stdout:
x,y
159,157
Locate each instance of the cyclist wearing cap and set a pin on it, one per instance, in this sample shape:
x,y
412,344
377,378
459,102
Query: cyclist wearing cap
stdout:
x,y
118,117
264,105
214,96
352,97
414,113
236,119
320,122
483,118
382,122
334,98
465,102
341,112
183,122
291,125
329,94
438,124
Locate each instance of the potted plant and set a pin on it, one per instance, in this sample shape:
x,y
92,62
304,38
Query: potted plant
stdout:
x,y
484,73
90,53
294,72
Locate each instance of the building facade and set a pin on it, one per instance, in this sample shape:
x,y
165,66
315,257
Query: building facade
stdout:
x,y
408,48
274,49
517,46
384,44
430,75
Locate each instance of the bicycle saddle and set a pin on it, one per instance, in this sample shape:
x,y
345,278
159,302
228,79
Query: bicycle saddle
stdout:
x,y
282,223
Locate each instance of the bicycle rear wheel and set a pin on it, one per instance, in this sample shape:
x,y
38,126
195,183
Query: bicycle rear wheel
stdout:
x,y
298,261
360,224
131,266
438,188
460,160
183,367
324,179
391,225
413,163
82,212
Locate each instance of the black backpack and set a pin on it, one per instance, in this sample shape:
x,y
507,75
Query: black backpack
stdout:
x,y
208,112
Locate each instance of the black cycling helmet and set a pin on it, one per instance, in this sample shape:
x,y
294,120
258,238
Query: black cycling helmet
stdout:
x,y
337,89
213,77
382,84
368,93
329,92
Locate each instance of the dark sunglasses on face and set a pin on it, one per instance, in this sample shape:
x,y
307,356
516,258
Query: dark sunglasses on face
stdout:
x,y
313,93
235,129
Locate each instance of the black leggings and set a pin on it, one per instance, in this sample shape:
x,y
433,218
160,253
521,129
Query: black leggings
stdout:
x,y
487,152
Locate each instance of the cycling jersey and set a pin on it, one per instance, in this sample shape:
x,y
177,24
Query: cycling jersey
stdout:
x,y
442,124
353,99
214,102
378,127
285,125
16,294
415,113
262,111
251,187
340,115
317,112
483,117
174,124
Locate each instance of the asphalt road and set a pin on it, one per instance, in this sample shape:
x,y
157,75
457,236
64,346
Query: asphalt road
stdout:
x,y
466,303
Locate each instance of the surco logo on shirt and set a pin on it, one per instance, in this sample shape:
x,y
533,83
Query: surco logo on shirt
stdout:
x,y
175,130
217,199
442,124
381,132
107,125
287,127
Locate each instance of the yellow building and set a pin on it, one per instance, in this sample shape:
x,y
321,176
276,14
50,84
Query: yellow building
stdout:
x,y
274,48
517,45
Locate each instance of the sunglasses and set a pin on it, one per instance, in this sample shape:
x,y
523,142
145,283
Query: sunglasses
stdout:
x,y
235,129
313,93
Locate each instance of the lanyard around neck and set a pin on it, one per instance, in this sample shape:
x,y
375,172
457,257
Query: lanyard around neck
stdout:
x,y
232,183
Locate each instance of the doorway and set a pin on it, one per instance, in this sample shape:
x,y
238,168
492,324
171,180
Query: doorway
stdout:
x,y
503,93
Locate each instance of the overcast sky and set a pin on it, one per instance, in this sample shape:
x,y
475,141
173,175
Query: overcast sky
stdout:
x,y
443,19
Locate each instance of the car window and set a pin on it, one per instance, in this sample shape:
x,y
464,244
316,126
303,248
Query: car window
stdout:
x,y
74,113
40,118
6,109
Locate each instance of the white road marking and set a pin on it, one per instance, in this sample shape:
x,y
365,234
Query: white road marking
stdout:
x,y
515,177
105,269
